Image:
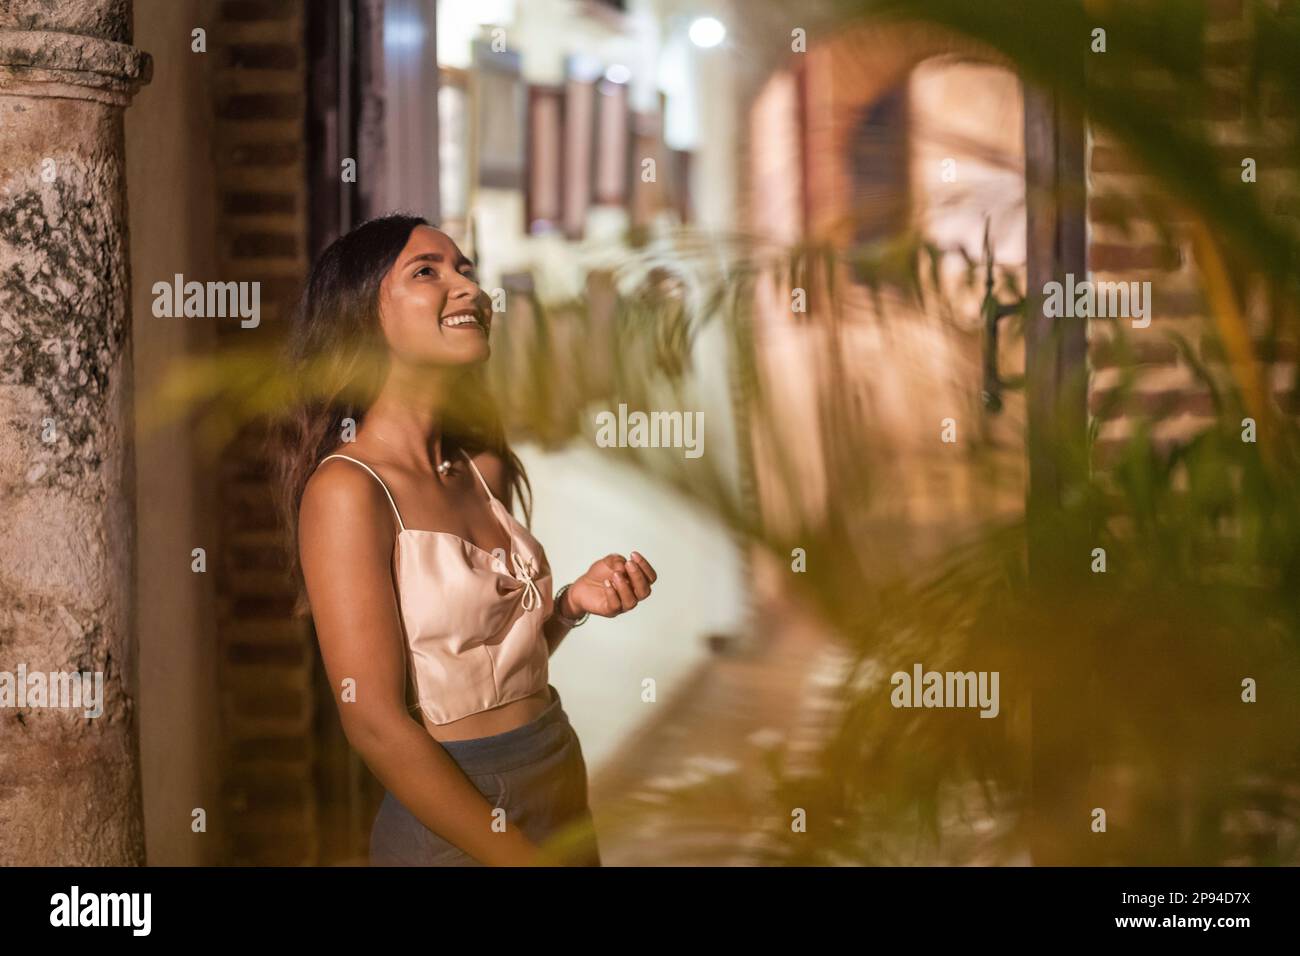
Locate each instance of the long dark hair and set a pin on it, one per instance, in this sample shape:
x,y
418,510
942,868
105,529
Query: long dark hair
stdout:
x,y
337,357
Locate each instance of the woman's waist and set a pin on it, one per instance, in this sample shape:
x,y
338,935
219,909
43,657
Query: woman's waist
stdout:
x,y
493,721
511,735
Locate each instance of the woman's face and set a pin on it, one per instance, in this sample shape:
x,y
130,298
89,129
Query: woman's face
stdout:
x,y
430,306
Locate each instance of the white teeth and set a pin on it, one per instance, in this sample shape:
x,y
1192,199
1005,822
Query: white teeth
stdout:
x,y
460,320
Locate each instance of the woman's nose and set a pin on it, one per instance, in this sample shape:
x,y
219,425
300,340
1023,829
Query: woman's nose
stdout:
x,y
466,289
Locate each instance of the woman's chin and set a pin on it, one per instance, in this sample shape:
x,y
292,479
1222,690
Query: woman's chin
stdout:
x,y
467,357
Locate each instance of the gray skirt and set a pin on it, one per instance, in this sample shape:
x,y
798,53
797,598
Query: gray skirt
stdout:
x,y
535,772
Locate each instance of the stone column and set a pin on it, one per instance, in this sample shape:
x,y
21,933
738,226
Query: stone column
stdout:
x,y
69,783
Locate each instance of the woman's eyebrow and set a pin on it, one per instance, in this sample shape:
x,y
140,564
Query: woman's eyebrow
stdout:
x,y
425,256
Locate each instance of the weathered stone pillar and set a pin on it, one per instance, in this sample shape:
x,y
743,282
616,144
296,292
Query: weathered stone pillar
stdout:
x,y
69,783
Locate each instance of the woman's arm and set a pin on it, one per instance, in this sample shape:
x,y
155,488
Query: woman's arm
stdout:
x,y
346,543
554,629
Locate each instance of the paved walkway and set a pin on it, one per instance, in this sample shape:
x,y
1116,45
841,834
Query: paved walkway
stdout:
x,y
683,791
689,791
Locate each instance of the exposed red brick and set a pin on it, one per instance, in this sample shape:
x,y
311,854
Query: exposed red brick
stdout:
x,y
256,558
1264,350
237,466
284,704
263,154
1223,53
282,289
1160,404
269,790
1114,257
262,56
1176,303
280,631
271,802
242,583
1119,207
1109,159
269,655
259,204
253,607
1263,154
1279,105
1223,104
249,513
1112,208
261,106
252,10
1218,10
260,849
285,748
1287,205
258,821
230,335
246,455
264,245
1219,103
1107,353
1164,102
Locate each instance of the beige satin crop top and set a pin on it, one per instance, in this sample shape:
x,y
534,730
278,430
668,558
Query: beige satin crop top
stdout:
x,y
472,618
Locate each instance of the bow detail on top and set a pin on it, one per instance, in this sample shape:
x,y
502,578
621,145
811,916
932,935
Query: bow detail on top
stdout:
x,y
524,571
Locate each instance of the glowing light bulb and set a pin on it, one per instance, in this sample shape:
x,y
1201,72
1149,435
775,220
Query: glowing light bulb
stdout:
x,y
707,32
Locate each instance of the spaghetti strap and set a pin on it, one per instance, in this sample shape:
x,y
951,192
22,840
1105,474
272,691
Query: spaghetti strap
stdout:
x,y
491,496
376,477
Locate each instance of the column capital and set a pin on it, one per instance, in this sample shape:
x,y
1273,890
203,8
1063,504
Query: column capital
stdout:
x,y
41,63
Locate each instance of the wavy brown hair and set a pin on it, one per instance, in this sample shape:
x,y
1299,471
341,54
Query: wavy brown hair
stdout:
x,y
337,358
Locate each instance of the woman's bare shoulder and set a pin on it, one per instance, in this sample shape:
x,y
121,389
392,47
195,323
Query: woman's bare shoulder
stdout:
x,y
341,494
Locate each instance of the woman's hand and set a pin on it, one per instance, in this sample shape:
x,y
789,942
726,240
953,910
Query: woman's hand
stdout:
x,y
612,585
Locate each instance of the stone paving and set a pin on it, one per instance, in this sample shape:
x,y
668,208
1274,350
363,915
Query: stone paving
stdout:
x,y
711,742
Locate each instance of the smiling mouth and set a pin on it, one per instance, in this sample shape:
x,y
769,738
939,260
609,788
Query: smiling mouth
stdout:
x,y
464,320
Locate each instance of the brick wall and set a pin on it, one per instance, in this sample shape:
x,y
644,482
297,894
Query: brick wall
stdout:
x,y
268,661
1155,245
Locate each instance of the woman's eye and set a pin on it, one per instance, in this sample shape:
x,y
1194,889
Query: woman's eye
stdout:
x,y
424,269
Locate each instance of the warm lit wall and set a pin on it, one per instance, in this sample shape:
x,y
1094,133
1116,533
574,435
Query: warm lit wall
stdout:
x,y
908,369
169,185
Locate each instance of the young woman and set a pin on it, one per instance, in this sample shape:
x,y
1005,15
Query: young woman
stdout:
x,y
433,606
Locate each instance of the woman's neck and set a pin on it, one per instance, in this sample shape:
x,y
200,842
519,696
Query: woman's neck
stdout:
x,y
407,419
